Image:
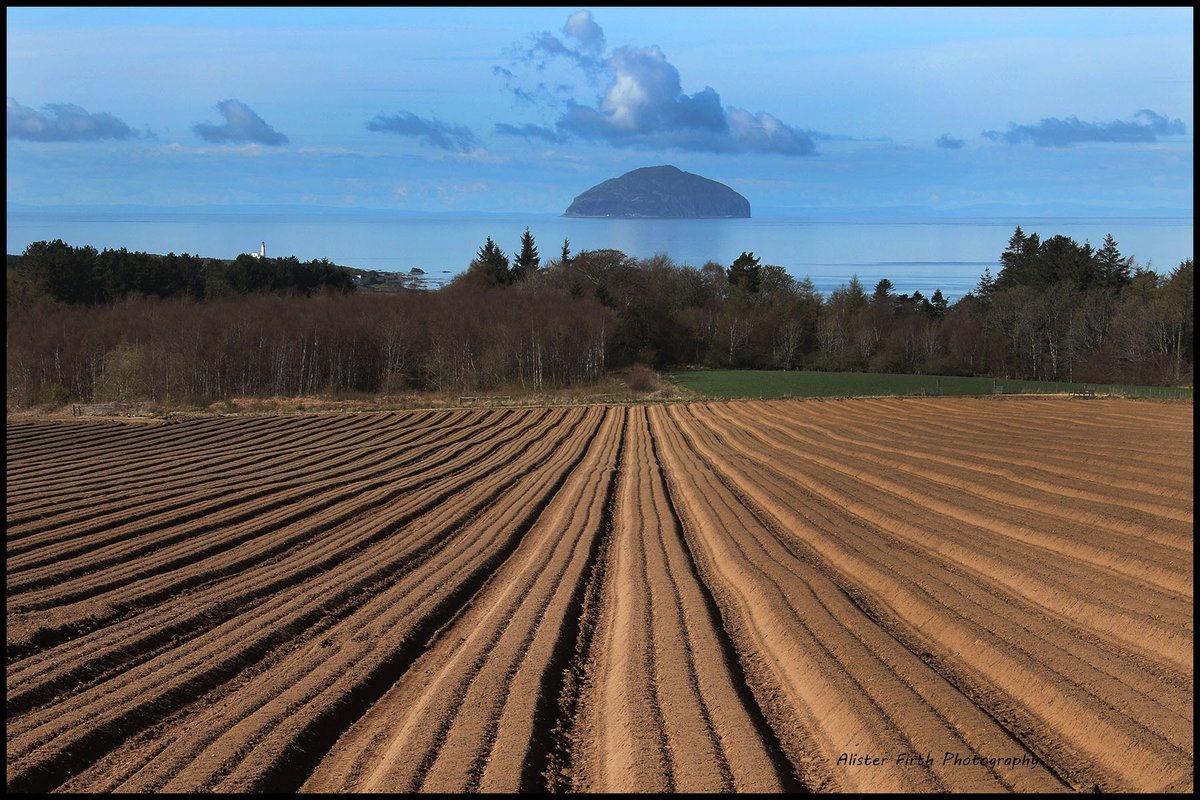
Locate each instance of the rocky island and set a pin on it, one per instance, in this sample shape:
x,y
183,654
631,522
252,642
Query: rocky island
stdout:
x,y
660,193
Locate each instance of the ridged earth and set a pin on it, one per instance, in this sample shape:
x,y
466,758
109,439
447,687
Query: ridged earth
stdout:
x,y
943,594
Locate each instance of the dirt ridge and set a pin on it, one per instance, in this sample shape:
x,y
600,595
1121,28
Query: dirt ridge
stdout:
x,y
699,597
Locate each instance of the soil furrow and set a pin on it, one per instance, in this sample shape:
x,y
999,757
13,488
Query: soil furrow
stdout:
x,y
166,481
1108,740
880,594
202,669
1071,599
755,559
976,475
1053,471
241,525
316,713
208,608
443,729
113,531
1110,672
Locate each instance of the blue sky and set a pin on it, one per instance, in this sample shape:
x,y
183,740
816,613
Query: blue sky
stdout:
x,y
521,109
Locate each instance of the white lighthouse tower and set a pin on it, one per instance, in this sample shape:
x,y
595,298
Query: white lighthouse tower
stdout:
x,y
262,251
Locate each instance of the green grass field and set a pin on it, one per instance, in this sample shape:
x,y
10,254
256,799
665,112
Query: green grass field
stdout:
x,y
766,384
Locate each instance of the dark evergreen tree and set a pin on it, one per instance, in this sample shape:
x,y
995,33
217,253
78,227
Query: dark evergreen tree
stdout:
x,y
883,292
491,264
566,252
856,295
939,303
921,304
1061,259
527,261
64,272
986,287
1010,259
1113,269
744,272
1018,263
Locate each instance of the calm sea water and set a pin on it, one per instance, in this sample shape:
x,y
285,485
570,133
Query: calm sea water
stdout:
x,y
915,254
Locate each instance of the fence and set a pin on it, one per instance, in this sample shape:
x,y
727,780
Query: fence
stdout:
x,y
471,399
1092,390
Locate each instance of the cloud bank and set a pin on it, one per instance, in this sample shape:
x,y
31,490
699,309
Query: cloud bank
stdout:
x,y
63,123
948,142
1053,132
433,132
643,103
241,126
583,29
530,131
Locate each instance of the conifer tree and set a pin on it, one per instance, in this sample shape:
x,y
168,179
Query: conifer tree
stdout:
x,y
856,295
527,261
1019,263
938,301
492,264
744,272
986,286
1114,270
883,292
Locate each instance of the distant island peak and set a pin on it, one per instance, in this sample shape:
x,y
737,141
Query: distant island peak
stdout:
x,y
664,192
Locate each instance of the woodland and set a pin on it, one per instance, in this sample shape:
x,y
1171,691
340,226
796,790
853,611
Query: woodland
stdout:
x,y
114,325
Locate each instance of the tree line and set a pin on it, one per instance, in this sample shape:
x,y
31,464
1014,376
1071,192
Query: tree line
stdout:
x,y
85,276
1056,310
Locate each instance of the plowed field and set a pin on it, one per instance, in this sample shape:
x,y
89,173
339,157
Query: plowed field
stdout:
x,y
943,594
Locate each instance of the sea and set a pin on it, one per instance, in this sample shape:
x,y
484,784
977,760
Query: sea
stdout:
x,y
915,253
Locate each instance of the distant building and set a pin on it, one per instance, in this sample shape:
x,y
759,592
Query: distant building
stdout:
x,y
262,251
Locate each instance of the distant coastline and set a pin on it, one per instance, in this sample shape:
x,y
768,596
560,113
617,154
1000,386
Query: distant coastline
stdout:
x,y
917,248
647,216
978,211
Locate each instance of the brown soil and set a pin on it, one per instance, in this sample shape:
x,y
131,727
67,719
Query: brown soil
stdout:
x,y
766,596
